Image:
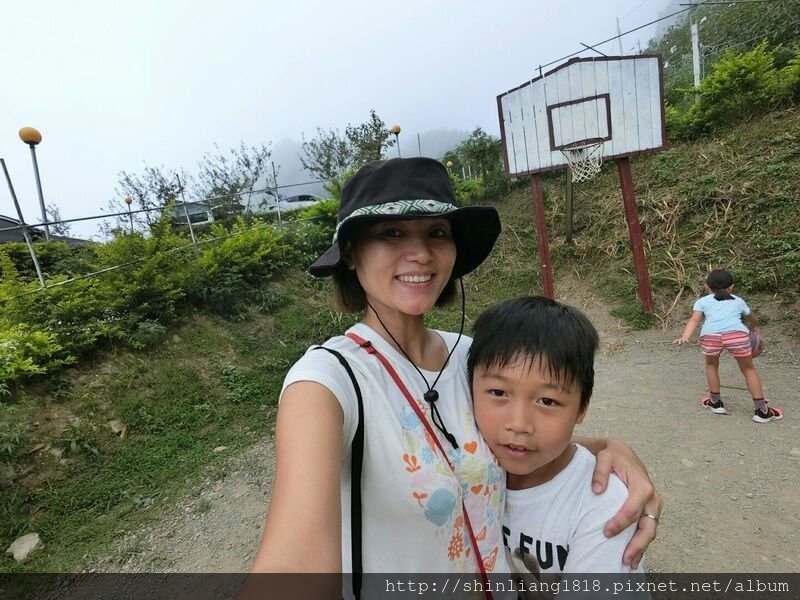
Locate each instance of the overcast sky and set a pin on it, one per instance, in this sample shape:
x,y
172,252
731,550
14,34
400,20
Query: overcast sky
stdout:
x,y
112,85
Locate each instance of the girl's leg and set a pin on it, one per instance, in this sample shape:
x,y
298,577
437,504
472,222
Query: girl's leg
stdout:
x,y
714,402
763,413
712,373
751,377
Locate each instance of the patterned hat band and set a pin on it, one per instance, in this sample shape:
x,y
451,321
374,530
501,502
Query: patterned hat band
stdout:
x,y
398,208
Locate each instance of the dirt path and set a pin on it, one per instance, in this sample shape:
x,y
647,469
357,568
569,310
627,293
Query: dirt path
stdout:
x,y
730,485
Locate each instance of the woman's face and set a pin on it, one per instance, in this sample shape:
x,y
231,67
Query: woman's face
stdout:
x,y
403,266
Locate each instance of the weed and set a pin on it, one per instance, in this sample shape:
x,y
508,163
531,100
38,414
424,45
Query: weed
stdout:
x,y
12,436
147,333
59,386
634,316
203,505
271,300
75,441
241,385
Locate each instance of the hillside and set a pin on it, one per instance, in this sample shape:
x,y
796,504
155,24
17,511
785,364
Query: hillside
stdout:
x,y
105,447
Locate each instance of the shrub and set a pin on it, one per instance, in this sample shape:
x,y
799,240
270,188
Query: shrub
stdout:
x,y
787,84
495,185
146,334
740,86
228,272
469,191
25,352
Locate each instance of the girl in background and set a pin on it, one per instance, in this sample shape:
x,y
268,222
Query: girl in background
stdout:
x,y
722,313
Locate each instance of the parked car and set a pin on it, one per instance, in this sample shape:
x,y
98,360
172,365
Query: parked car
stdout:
x,y
294,202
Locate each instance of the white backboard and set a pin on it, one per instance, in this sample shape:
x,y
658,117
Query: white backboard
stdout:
x,y
619,100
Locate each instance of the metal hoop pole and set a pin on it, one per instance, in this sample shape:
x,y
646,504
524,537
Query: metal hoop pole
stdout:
x,y
541,237
635,233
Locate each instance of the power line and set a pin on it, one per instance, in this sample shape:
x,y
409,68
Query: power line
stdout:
x,y
635,9
729,46
611,39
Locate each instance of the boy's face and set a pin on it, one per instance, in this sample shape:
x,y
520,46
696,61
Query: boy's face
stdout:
x,y
527,419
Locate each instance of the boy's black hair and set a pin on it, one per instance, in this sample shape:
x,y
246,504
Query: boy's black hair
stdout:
x,y
532,328
718,281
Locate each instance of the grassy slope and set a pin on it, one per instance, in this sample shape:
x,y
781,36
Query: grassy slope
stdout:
x,y
728,200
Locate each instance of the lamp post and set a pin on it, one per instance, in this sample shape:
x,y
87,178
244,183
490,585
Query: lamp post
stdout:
x,y
449,165
32,137
129,201
395,129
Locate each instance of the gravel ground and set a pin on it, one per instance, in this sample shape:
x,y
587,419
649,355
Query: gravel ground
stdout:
x,y
730,485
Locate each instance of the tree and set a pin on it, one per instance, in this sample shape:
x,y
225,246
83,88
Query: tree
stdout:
x,y
480,151
368,140
329,154
53,214
738,26
151,190
226,180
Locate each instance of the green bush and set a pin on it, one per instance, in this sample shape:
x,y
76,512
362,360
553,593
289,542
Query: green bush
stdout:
x,y
226,275
147,333
312,234
739,87
12,437
469,191
324,215
55,258
24,352
495,185
787,84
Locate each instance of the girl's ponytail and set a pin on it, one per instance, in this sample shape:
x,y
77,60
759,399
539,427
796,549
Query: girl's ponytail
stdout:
x,y
718,281
722,295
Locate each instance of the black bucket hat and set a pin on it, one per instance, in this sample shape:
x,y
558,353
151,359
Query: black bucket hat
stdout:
x,y
410,188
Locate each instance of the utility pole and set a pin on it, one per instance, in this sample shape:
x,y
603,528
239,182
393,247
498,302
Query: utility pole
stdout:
x,y
619,38
695,50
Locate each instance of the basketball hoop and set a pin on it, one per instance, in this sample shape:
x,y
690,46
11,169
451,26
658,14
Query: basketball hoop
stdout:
x,y
585,158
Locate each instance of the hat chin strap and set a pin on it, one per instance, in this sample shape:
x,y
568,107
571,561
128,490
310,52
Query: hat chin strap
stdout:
x,y
431,396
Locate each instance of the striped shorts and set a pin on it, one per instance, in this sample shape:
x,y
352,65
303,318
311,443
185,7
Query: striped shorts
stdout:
x,y
735,342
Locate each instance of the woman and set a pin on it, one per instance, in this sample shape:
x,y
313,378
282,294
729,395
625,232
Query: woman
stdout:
x,y
431,491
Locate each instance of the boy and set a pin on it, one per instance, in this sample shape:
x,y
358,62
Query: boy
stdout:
x,y
531,365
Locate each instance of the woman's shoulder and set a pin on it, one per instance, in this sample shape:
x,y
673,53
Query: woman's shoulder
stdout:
x,y
320,353
452,337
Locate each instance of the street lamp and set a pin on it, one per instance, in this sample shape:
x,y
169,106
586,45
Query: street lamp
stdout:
x,y
449,165
395,129
32,137
128,200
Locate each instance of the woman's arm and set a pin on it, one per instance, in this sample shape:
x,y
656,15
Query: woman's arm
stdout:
x,y
642,496
303,526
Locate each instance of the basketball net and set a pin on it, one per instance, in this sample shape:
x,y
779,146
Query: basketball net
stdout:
x,y
584,158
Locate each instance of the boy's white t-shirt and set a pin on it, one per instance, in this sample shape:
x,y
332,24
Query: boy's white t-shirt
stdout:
x,y
561,521
411,502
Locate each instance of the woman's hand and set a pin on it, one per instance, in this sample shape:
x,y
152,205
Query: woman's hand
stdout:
x,y
643,499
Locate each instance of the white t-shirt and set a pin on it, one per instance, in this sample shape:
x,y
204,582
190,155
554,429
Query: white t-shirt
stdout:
x,y
561,521
411,501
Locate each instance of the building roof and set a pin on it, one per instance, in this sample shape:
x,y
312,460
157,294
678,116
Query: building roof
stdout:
x,y
7,234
